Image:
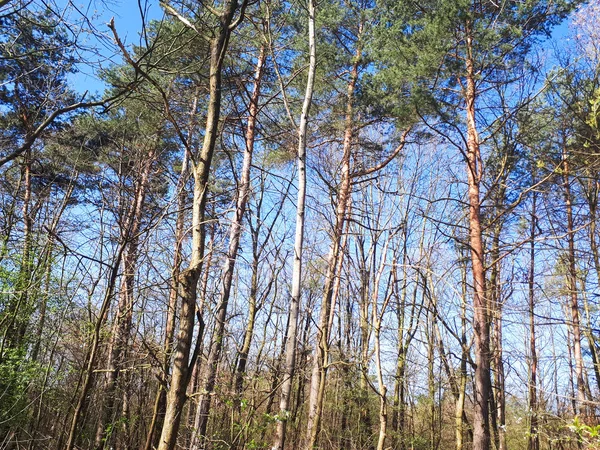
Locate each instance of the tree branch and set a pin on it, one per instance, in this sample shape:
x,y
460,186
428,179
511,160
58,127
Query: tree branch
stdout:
x,y
385,162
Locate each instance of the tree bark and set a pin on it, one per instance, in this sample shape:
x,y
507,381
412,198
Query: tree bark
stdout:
x,y
495,292
124,314
481,327
188,279
581,396
180,193
18,310
81,405
533,441
365,423
459,413
290,360
593,204
335,260
235,233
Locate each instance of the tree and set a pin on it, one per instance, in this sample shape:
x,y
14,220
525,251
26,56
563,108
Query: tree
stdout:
x,y
219,41
460,50
38,55
290,350
243,192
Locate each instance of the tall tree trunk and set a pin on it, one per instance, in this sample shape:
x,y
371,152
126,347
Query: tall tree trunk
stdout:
x,y
161,395
430,334
17,313
235,233
495,292
255,303
365,422
378,315
459,412
290,359
124,314
188,279
398,412
335,261
406,333
533,442
81,406
593,203
382,389
48,259
592,343
481,326
581,396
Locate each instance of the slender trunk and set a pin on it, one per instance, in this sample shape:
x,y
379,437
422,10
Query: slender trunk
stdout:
x,y
365,425
124,315
81,406
495,292
431,379
335,260
459,413
235,233
382,389
48,257
572,389
17,313
271,291
161,395
286,387
592,343
572,290
240,369
301,365
196,366
406,333
378,315
481,328
26,271
533,442
596,257
399,378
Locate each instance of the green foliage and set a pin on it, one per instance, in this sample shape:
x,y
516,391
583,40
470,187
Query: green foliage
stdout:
x,y
35,63
17,374
589,434
421,49
593,119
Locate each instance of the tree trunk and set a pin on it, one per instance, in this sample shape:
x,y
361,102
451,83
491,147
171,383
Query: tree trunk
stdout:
x,y
290,360
124,315
335,260
596,258
235,233
188,279
481,328
161,395
533,442
459,413
378,315
581,395
365,423
17,312
430,333
81,406
495,292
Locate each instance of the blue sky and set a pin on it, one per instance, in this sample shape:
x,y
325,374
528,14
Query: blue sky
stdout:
x,y
102,52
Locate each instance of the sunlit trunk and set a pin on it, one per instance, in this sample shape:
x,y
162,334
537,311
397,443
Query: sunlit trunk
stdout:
x,y
290,358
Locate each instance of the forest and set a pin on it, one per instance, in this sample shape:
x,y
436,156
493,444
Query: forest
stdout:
x,y
299,225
